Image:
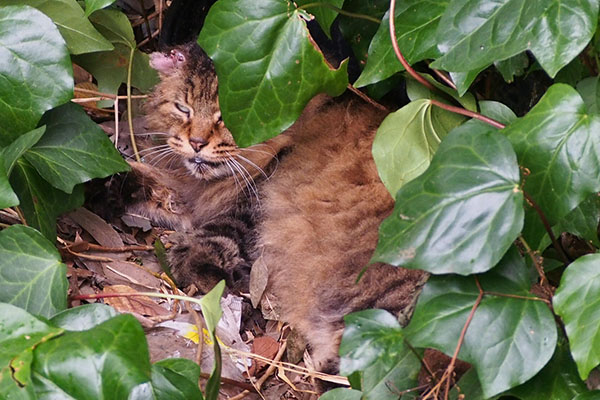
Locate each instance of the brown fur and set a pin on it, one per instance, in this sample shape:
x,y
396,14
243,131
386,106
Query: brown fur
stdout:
x,y
319,214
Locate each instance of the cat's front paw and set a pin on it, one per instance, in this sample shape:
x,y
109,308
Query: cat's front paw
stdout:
x,y
203,260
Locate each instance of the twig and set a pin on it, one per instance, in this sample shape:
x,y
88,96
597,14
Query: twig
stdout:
x,y
107,96
21,215
97,247
340,11
516,296
403,61
199,326
289,367
129,111
139,20
534,259
116,106
426,83
266,375
446,377
443,77
242,385
152,36
547,226
467,113
367,98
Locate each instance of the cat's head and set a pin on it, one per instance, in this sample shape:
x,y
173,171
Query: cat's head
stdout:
x,y
185,106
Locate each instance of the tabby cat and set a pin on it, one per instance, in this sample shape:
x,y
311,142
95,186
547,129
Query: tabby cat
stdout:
x,y
306,204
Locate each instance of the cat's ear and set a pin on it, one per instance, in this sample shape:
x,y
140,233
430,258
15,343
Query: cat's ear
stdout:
x,y
167,63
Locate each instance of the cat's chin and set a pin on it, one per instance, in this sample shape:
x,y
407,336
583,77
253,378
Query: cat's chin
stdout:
x,y
207,170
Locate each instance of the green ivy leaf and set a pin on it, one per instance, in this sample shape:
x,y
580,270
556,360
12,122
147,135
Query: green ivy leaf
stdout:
x,y
323,14
373,343
80,35
558,380
513,66
73,150
35,74
496,111
590,93
342,394
20,333
8,197
359,32
40,202
169,384
416,25
407,140
463,80
83,317
468,387
95,5
559,143
576,301
583,220
182,366
472,34
593,395
266,80
462,213
416,90
109,361
508,340
211,310
32,275
16,149
110,67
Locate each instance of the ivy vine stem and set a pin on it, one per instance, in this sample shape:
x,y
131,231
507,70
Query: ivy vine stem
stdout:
x,y
403,61
340,11
467,113
424,82
547,227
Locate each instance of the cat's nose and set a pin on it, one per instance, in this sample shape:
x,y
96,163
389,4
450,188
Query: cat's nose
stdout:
x,y
197,143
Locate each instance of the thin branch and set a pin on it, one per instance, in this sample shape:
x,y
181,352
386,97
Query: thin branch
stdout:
x,y
129,111
516,296
426,83
534,259
232,382
468,113
403,61
367,98
268,373
116,107
21,215
97,247
547,226
340,11
450,369
445,78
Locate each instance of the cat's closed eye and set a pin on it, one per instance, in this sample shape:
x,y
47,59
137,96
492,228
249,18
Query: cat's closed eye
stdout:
x,y
183,109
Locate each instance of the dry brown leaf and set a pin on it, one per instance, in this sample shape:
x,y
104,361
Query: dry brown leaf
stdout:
x,y
102,232
264,346
259,277
142,305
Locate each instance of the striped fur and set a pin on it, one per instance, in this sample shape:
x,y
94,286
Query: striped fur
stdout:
x,y
312,213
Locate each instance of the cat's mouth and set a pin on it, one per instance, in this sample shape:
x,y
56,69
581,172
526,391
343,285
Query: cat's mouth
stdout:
x,y
206,169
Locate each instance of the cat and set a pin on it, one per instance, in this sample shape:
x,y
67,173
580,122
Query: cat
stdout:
x,y
307,204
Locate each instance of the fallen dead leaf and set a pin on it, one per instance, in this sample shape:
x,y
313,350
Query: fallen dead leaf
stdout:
x,y
141,305
264,346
